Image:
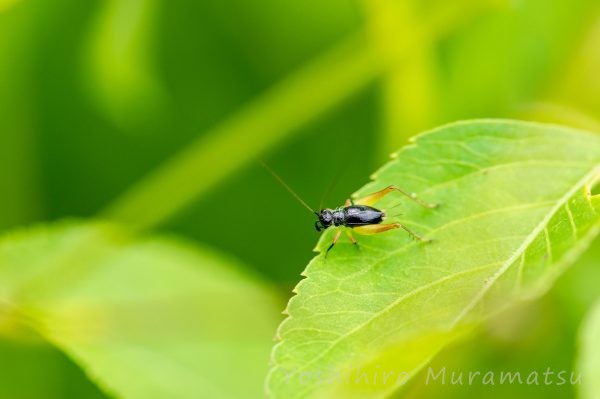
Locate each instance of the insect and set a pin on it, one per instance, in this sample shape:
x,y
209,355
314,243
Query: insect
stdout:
x,y
358,215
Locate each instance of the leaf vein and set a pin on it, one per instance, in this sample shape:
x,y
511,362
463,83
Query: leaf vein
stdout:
x,y
528,241
571,219
399,300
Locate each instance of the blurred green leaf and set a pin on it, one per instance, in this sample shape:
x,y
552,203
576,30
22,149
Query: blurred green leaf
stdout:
x,y
511,57
37,370
577,290
580,85
146,318
406,35
516,211
122,77
589,355
6,4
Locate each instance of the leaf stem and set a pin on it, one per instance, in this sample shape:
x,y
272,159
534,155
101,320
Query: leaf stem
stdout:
x,y
268,120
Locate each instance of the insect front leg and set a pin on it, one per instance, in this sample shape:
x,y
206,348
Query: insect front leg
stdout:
x,y
371,199
336,237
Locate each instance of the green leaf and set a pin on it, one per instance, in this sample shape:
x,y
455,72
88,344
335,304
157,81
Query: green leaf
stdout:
x,y
589,356
146,318
515,212
6,4
122,77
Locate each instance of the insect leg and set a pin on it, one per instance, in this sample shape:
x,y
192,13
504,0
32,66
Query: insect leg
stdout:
x,y
380,228
351,237
370,200
335,240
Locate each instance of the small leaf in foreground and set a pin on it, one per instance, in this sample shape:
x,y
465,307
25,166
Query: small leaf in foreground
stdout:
x,y
150,318
516,211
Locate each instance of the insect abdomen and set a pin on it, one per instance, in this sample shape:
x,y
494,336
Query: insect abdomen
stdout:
x,y
362,215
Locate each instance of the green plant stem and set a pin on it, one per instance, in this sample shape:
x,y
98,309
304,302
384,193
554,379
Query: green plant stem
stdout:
x,y
269,119
272,117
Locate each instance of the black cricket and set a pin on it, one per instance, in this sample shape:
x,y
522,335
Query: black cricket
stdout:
x,y
357,215
349,216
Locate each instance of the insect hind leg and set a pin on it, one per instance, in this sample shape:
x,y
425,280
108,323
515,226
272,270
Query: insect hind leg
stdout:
x,y
380,228
351,237
371,199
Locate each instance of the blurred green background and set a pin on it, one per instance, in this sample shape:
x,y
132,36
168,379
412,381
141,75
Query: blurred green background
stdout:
x,y
97,95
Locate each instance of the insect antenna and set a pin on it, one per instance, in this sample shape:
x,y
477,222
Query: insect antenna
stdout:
x,y
392,207
288,188
394,216
332,185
